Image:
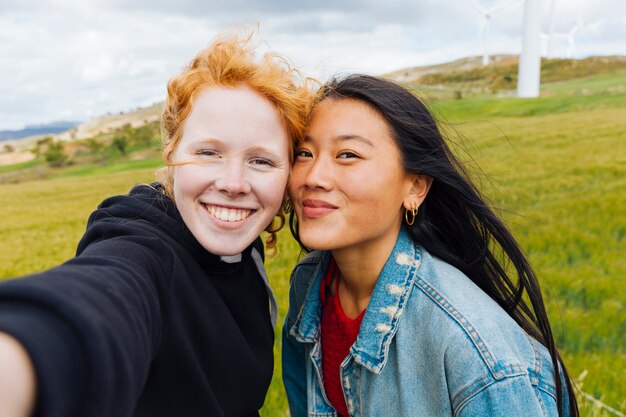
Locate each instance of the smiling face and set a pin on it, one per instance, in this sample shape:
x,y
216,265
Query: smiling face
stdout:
x,y
235,155
348,183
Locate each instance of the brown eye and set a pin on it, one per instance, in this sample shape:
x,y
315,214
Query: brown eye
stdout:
x,y
262,161
347,155
302,153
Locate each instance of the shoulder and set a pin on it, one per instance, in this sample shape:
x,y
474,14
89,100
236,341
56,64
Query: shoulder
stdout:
x,y
478,341
465,307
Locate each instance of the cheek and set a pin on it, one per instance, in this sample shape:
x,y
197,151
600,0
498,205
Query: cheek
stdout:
x,y
187,181
378,192
179,180
296,179
271,189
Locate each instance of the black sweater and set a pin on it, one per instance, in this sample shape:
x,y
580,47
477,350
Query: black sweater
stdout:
x,y
144,321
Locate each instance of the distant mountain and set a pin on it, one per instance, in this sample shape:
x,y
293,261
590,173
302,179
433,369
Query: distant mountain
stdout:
x,y
42,129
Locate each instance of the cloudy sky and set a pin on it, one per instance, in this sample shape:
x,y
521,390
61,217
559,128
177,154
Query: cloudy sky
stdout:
x,y
77,59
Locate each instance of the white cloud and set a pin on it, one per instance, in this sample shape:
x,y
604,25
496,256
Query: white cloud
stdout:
x,y
72,59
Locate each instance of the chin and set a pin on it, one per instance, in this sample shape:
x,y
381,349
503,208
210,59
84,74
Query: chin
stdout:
x,y
316,242
224,249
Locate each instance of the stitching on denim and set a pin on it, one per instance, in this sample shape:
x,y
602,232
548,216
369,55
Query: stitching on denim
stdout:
x,y
298,321
318,378
481,389
537,379
476,386
534,376
345,369
466,325
357,376
376,363
545,389
388,337
471,396
540,400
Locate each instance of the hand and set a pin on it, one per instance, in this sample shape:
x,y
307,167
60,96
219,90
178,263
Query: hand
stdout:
x,y
17,379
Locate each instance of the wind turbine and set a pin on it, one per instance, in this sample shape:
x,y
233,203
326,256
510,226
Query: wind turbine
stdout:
x,y
571,49
484,29
551,32
571,44
529,72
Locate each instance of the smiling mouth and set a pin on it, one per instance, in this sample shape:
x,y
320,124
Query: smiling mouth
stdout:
x,y
227,214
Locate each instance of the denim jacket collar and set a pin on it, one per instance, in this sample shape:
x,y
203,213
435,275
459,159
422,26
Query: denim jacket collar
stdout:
x,y
384,310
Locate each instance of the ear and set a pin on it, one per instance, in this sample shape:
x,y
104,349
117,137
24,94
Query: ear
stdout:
x,y
419,189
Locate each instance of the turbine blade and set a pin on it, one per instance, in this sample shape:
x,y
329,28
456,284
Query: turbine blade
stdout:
x,y
503,6
478,7
483,27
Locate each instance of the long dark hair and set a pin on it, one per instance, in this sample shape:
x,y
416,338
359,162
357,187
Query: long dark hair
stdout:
x,y
454,222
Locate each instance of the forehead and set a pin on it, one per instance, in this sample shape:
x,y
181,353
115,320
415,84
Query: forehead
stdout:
x,y
237,116
333,118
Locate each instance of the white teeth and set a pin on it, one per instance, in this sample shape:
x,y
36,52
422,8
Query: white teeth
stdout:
x,y
228,215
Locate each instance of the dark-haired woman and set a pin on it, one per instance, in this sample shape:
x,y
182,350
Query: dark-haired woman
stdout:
x,y
405,307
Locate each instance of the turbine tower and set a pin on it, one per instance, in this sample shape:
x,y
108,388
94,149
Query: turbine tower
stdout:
x,y
551,32
484,28
529,70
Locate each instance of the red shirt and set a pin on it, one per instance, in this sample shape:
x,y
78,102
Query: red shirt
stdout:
x,y
339,333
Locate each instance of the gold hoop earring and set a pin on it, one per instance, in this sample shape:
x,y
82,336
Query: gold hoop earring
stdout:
x,y
413,213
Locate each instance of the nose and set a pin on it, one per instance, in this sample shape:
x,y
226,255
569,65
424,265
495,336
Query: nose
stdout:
x,y
232,178
318,174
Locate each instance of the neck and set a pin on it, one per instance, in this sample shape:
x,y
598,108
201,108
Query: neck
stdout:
x,y
359,267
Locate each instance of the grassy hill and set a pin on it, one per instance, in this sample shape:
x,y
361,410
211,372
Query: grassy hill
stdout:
x,y
467,77
555,167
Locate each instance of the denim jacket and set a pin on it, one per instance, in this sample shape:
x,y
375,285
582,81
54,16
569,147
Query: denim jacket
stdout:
x,y
431,343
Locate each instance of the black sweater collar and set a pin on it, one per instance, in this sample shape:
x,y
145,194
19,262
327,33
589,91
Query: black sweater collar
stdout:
x,y
150,204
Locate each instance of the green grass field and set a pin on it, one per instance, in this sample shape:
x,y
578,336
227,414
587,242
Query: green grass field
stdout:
x,y
555,168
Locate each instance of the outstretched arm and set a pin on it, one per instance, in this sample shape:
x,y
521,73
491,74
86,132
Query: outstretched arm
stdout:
x,y
90,326
17,379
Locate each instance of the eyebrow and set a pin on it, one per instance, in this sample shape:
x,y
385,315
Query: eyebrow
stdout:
x,y
343,138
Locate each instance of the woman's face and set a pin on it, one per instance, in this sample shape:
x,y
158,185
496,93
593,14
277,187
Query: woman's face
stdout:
x,y
348,184
238,148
